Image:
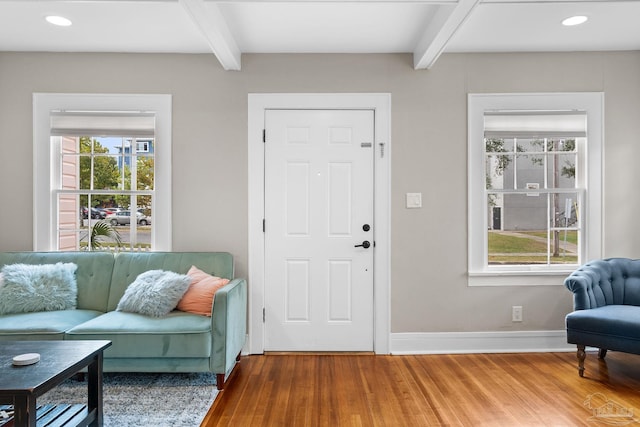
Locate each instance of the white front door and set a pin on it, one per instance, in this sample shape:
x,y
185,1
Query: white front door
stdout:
x,y
319,231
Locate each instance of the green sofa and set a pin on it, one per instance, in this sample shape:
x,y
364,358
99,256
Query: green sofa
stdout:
x,y
178,342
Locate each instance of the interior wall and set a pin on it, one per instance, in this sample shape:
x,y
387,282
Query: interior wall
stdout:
x,y
429,291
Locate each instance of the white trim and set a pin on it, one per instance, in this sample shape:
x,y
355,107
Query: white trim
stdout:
x,y
209,19
381,104
590,102
44,216
439,31
479,342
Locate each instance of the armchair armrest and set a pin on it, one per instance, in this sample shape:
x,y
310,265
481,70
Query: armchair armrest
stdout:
x,y
229,328
581,284
598,283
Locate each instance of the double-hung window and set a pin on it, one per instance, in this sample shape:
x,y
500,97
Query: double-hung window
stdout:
x,y
102,164
535,168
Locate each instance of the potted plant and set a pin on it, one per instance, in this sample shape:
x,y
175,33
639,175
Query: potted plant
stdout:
x,y
101,232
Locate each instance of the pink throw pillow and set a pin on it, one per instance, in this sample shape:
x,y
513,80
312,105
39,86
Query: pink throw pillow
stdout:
x,y
199,296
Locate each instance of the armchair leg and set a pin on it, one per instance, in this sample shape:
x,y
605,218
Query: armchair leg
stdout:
x,y
602,353
581,356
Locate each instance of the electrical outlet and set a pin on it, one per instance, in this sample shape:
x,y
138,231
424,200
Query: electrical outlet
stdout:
x,y
516,313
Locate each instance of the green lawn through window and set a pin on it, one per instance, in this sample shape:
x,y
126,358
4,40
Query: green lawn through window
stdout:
x,y
519,248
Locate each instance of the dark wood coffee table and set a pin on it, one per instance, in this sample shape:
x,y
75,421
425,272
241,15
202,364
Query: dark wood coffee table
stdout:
x,y
20,386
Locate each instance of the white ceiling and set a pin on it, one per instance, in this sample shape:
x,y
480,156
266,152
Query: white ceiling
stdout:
x,y
228,28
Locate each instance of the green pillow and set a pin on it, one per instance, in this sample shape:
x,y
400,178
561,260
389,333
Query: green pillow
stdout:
x,y
26,288
154,293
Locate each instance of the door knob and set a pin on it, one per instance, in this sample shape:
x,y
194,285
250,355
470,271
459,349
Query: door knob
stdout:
x,y
366,244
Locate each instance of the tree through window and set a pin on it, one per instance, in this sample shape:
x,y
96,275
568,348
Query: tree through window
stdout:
x,y
106,180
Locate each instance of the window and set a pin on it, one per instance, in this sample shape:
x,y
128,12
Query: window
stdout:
x,y
99,177
535,167
100,157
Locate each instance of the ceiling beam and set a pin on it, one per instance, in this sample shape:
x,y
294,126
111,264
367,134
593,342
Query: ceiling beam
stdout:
x,y
446,21
213,26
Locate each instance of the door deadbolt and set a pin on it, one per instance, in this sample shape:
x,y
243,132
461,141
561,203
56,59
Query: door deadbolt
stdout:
x,y
366,227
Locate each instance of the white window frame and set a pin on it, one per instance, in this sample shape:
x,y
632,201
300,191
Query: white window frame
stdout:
x,y
45,165
479,272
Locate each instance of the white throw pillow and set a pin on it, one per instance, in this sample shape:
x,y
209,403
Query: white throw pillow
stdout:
x,y
27,288
154,293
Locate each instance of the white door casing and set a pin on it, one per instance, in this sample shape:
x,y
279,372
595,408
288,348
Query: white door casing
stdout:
x,y
380,104
319,213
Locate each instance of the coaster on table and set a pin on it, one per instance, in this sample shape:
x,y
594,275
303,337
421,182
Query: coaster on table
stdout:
x,y
26,359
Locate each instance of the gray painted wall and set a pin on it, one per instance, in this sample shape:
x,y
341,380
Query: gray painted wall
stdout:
x,y
429,115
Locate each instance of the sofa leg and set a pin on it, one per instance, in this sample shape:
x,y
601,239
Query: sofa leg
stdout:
x,y
602,353
220,377
581,356
220,381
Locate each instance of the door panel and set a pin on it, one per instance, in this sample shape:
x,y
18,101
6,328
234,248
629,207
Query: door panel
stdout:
x,y
318,196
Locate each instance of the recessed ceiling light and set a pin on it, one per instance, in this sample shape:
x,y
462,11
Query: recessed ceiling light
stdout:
x,y
58,20
574,20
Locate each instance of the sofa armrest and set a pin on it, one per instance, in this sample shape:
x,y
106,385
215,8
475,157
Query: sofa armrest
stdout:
x,y
229,327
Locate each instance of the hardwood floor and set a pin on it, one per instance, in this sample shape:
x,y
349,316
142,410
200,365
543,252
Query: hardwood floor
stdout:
x,y
524,389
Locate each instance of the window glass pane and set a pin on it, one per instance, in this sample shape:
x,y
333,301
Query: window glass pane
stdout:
x,y
499,145
565,206
564,247
529,170
525,211
524,145
521,238
561,172
145,172
499,171
73,240
144,207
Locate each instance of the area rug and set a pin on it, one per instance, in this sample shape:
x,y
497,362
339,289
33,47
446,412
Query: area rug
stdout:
x,y
145,400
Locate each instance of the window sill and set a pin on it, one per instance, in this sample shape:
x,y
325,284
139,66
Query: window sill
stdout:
x,y
518,278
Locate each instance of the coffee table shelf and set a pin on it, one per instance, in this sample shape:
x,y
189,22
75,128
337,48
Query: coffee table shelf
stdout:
x,y
51,415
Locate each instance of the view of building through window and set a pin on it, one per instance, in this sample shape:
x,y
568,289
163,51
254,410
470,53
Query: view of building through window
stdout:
x,y
105,182
535,186
533,200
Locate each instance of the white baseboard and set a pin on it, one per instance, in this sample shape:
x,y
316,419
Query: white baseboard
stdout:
x,y
480,342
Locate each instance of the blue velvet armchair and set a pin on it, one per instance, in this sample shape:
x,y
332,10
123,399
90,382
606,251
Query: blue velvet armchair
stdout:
x,y
606,302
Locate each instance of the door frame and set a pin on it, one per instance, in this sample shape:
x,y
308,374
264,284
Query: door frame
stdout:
x,y
380,103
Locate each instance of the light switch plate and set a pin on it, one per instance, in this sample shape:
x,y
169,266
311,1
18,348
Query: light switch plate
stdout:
x,y
414,200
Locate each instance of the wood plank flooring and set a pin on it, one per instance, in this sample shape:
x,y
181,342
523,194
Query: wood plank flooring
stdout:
x,y
523,389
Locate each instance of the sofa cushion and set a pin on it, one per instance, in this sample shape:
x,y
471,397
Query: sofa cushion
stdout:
x,y
128,265
154,293
42,325
178,334
199,296
93,276
611,327
618,320
28,288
